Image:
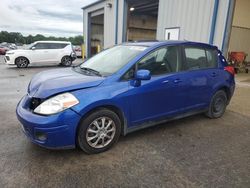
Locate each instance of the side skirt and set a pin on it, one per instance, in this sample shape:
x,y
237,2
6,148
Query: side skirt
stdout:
x,y
152,123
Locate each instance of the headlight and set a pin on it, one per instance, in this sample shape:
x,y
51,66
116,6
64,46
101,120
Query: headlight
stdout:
x,y
56,104
10,53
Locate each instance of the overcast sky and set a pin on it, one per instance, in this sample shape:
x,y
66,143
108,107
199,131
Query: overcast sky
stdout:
x,y
47,17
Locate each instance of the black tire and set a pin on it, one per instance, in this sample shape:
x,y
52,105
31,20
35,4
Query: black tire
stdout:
x,y
66,61
217,105
85,135
22,62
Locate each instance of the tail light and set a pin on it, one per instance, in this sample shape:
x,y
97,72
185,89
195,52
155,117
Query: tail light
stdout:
x,y
230,70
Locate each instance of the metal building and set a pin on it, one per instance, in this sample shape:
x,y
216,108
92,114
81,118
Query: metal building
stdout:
x,y
110,22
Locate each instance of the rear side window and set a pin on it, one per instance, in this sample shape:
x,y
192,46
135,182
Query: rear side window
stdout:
x,y
212,58
200,58
57,45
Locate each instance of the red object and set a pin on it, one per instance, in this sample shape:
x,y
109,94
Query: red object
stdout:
x,y
230,69
238,57
2,51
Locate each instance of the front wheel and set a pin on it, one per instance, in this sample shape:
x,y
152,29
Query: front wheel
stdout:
x,y
22,62
217,105
99,131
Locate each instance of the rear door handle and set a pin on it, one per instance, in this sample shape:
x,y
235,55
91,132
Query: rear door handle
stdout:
x,y
165,81
214,74
176,81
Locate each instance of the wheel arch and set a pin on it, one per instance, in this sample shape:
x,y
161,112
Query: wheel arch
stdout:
x,y
23,57
226,89
113,108
65,55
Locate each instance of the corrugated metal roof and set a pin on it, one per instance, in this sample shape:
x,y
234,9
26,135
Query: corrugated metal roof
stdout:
x,y
92,4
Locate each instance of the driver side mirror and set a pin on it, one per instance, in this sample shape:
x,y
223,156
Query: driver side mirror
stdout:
x,y
143,75
140,75
33,48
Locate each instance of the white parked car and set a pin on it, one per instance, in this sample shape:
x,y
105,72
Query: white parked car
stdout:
x,y
42,52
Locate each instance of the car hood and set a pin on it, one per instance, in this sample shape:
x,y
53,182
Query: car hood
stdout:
x,y
47,83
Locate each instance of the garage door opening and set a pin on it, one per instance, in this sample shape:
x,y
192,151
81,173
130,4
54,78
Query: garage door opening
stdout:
x,y
96,34
239,43
141,20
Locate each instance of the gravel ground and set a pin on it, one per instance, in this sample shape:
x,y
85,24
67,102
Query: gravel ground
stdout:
x,y
191,152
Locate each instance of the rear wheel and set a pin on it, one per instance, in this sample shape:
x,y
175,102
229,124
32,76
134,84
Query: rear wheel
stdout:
x,y
22,62
99,131
66,61
217,105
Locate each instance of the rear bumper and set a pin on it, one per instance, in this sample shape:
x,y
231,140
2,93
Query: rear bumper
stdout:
x,y
54,131
73,56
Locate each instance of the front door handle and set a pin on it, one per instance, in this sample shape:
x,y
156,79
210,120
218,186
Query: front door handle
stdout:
x,y
165,81
176,81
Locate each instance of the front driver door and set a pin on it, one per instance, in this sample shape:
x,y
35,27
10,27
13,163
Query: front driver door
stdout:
x,y
41,53
162,95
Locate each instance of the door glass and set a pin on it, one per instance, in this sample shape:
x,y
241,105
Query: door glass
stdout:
x,y
195,58
200,58
211,58
161,61
40,46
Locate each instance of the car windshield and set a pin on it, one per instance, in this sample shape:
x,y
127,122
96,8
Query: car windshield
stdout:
x,y
111,60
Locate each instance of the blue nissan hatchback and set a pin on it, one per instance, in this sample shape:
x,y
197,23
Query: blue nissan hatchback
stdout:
x,y
122,89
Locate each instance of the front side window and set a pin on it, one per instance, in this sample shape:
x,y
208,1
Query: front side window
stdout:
x,y
200,58
162,61
40,46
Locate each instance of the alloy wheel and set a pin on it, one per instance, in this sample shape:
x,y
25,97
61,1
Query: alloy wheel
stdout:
x,y
66,61
22,62
100,132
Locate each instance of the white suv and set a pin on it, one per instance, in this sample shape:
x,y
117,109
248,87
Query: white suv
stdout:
x,y
42,52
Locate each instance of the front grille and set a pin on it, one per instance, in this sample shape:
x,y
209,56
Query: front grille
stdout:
x,y
35,102
8,58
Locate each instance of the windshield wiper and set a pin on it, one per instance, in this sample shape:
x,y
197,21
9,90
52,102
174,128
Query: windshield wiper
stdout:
x,y
91,70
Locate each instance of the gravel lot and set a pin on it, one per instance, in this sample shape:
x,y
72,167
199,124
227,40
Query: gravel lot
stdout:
x,y
192,152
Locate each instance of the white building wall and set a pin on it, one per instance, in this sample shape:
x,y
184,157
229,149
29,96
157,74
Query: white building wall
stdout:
x,y
109,24
121,19
194,17
221,23
86,13
109,21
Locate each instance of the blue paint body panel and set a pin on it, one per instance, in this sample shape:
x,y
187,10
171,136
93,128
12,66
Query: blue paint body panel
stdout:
x,y
155,99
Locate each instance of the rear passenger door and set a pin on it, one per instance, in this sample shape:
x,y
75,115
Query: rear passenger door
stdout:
x,y
201,73
56,50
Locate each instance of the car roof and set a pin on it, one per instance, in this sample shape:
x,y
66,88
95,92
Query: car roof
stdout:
x,y
169,42
50,41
